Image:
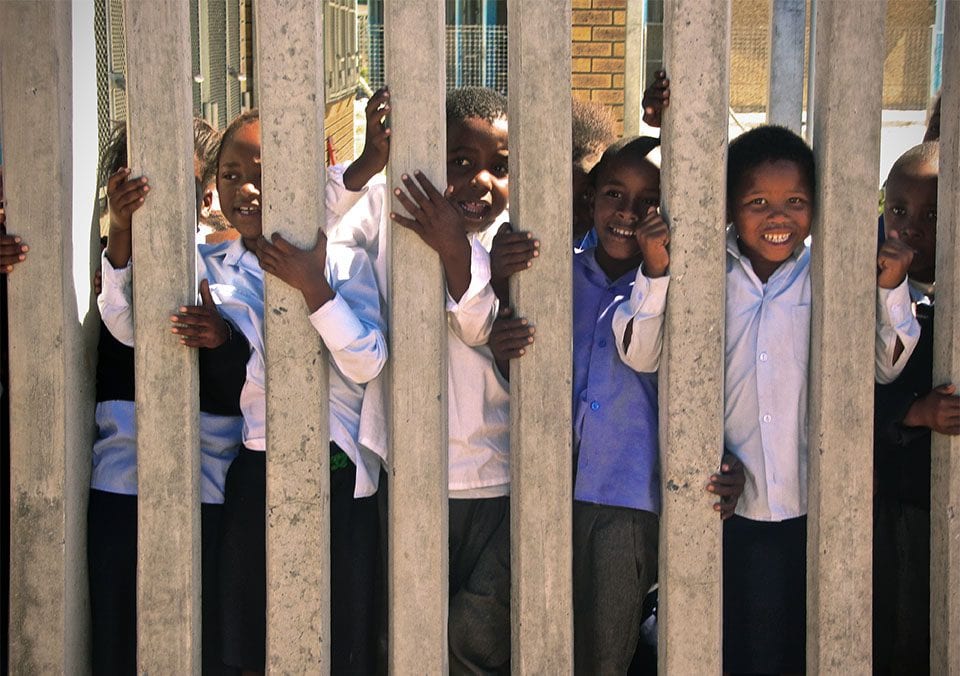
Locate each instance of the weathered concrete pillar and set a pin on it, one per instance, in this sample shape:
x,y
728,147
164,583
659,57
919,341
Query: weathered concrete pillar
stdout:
x,y
415,61
160,138
945,479
696,35
785,95
634,73
291,98
540,431
843,274
51,373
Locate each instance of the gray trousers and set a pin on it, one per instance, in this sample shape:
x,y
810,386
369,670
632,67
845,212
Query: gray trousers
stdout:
x,y
479,619
614,565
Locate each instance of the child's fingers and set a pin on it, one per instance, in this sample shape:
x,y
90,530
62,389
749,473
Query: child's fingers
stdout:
x,y
434,195
415,210
117,178
515,240
206,297
409,223
513,327
414,192
281,244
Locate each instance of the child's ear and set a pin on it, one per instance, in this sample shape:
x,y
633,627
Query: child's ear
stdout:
x,y
206,204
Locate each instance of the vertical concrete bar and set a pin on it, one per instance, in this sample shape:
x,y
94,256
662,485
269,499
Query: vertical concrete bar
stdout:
x,y
540,430
945,479
843,275
51,390
291,95
696,35
160,138
634,76
785,95
416,67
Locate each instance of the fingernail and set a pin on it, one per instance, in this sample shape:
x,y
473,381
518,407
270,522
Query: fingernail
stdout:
x,y
536,244
24,248
404,177
22,258
530,340
174,330
536,253
522,351
173,318
523,322
16,240
533,330
529,264
396,191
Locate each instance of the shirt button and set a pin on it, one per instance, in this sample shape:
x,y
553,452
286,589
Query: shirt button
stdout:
x,y
763,356
767,418
602,342
595,405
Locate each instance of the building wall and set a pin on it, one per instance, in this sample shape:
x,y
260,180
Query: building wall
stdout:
x,y
599,32
338,122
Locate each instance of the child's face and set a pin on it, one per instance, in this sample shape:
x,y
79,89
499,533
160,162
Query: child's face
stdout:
x,y
772,213
910,210
238,182
623,194
477,170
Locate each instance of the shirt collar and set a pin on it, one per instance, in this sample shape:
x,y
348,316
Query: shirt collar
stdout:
x,y
596,273
234,252
734,249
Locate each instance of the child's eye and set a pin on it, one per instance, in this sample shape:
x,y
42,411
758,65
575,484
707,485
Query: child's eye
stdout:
x,y
228,176
758,201
898,211
796,200
461,162
501,170
932,215
615,194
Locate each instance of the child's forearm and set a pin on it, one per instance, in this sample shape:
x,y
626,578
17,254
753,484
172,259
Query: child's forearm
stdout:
x,y
119,247
317,293
456,268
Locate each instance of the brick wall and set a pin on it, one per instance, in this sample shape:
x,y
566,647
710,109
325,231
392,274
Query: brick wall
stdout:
x,y
339,126
599,28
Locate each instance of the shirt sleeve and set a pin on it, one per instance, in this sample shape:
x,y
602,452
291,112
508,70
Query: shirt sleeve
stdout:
x,y
351,324
338,199
115,300
471,318
894,320
643,310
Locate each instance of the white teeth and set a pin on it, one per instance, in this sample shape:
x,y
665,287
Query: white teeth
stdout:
x,y
622,233
776,238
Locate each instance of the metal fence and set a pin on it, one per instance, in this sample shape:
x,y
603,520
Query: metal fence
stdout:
x,y
51,347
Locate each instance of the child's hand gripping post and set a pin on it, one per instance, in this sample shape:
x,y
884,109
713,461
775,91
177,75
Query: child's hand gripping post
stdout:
x,y
511,252
376,145
893,261
727,484
303,269
653,237
656,97
440,225
201,325
509,339
939,410
12,251
125,195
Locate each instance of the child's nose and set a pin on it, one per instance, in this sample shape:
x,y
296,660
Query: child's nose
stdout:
x,y
250,188
483,179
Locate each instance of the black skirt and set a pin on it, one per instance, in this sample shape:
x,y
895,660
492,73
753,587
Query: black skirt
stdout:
x,y
764,596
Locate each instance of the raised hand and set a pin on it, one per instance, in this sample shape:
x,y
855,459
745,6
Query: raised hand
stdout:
x,y
511,252
653,237
201,325
656,97
303,269
509,339
939,410
376,145
893,261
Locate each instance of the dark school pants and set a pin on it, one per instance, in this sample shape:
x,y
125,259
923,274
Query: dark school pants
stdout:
x,y
112,569
764,596
614,566
479,613
354,559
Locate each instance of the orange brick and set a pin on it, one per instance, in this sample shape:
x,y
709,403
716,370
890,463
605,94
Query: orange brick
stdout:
x,y
607,95
611,33
591,18
610,4
581,94
618,82
591,81
618,48
607,66
620,18
581,4
580,65
581,33
618,128
594,49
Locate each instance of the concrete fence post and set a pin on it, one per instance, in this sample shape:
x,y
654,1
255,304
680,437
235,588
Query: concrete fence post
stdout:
x,y
635,75
697,39
51,331
417,420
785,94
945,479
843,275
540,385
291,96
160,142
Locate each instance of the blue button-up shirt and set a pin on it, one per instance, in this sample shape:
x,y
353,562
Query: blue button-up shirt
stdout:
x,y
615,408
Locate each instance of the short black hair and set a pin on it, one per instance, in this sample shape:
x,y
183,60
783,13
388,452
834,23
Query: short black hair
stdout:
x,y
593,128
480,102
238,123
630,147
926,153
206,145
767,143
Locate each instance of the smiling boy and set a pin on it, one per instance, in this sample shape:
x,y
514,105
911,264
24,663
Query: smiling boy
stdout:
x,y
460,224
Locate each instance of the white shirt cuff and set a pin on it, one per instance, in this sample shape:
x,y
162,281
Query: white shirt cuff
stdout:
x,y
894,307
336,324
115,282
338,198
